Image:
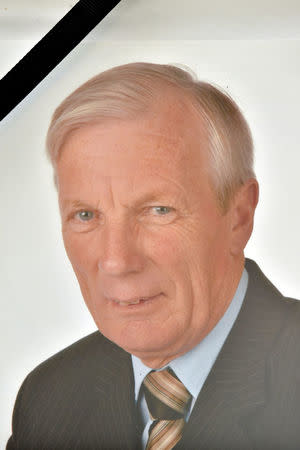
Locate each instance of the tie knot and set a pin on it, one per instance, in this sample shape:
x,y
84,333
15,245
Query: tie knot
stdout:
x,y
166,396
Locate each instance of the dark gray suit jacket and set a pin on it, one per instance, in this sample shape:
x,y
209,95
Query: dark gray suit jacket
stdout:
x,y
83,397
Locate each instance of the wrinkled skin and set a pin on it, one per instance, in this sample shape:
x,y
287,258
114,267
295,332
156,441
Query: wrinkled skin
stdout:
x,y
140,219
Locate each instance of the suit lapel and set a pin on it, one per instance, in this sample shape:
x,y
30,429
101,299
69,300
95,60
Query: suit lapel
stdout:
x,y
115,387
235,387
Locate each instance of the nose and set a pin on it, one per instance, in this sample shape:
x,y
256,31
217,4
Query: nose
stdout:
x,y
119,250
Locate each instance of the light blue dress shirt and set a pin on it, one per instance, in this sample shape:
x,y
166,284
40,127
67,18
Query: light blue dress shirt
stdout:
x,y
193,367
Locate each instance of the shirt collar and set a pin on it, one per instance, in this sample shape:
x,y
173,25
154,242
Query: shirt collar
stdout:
x,y
193,367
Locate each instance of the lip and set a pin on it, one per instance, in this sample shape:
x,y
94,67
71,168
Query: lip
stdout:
x,y
131,302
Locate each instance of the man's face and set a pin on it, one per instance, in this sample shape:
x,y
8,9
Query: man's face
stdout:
x,y
142,229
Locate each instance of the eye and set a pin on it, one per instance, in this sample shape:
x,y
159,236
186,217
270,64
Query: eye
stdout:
x,y
159,215
162,210
85,216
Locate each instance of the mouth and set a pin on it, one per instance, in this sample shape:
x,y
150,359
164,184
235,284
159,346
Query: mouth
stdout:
x,y
132,301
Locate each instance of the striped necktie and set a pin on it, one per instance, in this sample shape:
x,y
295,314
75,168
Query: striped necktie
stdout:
x,y
168,401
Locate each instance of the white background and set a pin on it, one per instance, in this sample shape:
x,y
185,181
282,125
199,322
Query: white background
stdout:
x,y
252,49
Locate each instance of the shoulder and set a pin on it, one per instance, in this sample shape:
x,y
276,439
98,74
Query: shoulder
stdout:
x,y
262,290
273,318
73,373
285,349
69,391
282,371
63,390
77,360
279,318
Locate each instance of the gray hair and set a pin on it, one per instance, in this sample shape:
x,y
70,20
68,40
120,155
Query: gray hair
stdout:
x,y
126,91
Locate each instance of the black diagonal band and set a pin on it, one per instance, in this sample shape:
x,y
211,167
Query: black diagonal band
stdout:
x,y
50,51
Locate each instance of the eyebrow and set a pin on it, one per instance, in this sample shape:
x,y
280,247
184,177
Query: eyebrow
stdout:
x,y
159,195
153,196
165,197
76,204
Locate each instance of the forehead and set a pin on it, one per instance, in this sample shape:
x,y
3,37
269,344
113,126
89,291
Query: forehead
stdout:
x,y
166,145
171,129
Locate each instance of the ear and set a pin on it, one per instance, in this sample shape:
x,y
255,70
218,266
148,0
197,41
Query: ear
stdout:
x,y
242,215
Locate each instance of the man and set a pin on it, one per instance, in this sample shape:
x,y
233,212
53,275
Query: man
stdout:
x,y
195,349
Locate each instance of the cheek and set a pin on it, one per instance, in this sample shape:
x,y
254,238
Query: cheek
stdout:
x,y
183,249
183,256
168,250
79,249
180,256
194,257
83,258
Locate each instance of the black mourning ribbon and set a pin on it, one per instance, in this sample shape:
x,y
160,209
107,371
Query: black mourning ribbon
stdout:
x,y
51,50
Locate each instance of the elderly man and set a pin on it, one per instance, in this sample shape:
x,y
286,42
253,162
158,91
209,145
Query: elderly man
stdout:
x,y
196,349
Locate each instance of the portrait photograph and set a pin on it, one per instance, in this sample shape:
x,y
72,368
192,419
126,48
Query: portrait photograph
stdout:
x,y
150,237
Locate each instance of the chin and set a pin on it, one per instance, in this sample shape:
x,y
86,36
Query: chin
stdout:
x,y
146,341
135,337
